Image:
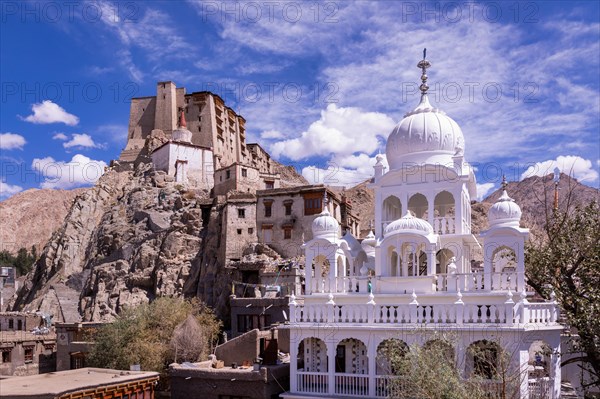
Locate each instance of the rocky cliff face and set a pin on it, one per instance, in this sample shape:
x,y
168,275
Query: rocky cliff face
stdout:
x,y
29,218
133,237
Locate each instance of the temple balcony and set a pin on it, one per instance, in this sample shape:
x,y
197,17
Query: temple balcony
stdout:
x,y
443,282
431,310
316,384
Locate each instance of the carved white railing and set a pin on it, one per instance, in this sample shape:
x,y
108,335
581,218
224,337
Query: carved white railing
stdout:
x,y
352,384
357,385
311,382
507,313
460,281
464,282
444,225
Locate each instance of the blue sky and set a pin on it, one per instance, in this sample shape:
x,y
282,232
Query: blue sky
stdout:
x,y
321,84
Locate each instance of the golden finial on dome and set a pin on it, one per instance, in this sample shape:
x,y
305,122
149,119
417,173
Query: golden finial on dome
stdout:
x,y
424,64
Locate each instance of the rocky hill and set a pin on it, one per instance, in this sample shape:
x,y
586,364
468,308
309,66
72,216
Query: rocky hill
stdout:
x,y
133,237
289,175
29,218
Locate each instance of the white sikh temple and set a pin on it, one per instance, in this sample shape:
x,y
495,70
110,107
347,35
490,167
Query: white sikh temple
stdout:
x,y
412,278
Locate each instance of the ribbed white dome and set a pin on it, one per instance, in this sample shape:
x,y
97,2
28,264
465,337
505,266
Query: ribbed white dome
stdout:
x,y
182,134
425,135
408,224
325,226
504,212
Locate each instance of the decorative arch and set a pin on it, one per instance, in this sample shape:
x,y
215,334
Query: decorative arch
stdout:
x,y
392,209
351,356
418,205
312,355
442,258
483,359
444,204
504,259
389,351
443,350
444,210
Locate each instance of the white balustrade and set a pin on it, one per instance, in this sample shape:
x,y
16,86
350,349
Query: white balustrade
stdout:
x,y
504,281
352,384
414,313
444,225
311,382
541,313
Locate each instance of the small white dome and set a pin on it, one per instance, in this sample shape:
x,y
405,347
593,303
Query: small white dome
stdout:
x,y
409,224
425,135
181,134
325,226
368,243
504,212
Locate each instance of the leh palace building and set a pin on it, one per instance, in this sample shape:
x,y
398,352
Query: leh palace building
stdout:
x,y
411,282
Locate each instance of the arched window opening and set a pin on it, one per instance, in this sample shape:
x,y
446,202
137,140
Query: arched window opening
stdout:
x,y
392,209
390,353
312,355
418,205
351,357
442,259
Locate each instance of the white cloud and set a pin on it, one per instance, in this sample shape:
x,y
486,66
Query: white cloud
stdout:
x,y
79,171
571,165
340,131
60,136
11,141
7,190
49,112
483,190
81,141
345,171
272,134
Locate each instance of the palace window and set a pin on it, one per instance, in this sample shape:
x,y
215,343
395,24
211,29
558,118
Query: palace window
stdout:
x,y
268,208
287,233
241,213
28,355
244,172
288,207
312,204
6,356
239,231
269,184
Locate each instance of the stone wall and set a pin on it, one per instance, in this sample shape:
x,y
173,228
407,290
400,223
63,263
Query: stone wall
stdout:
x,y
201,381
23,353
239,225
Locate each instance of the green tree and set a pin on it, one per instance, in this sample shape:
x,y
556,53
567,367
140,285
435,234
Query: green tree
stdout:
x,y
23,262
143,335
567,261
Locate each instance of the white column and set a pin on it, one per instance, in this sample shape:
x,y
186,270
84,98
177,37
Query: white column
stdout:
x,y
331,349
293,362
431,260
555,370
430,205
308,269
523,358
458,212
372,353
378,214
